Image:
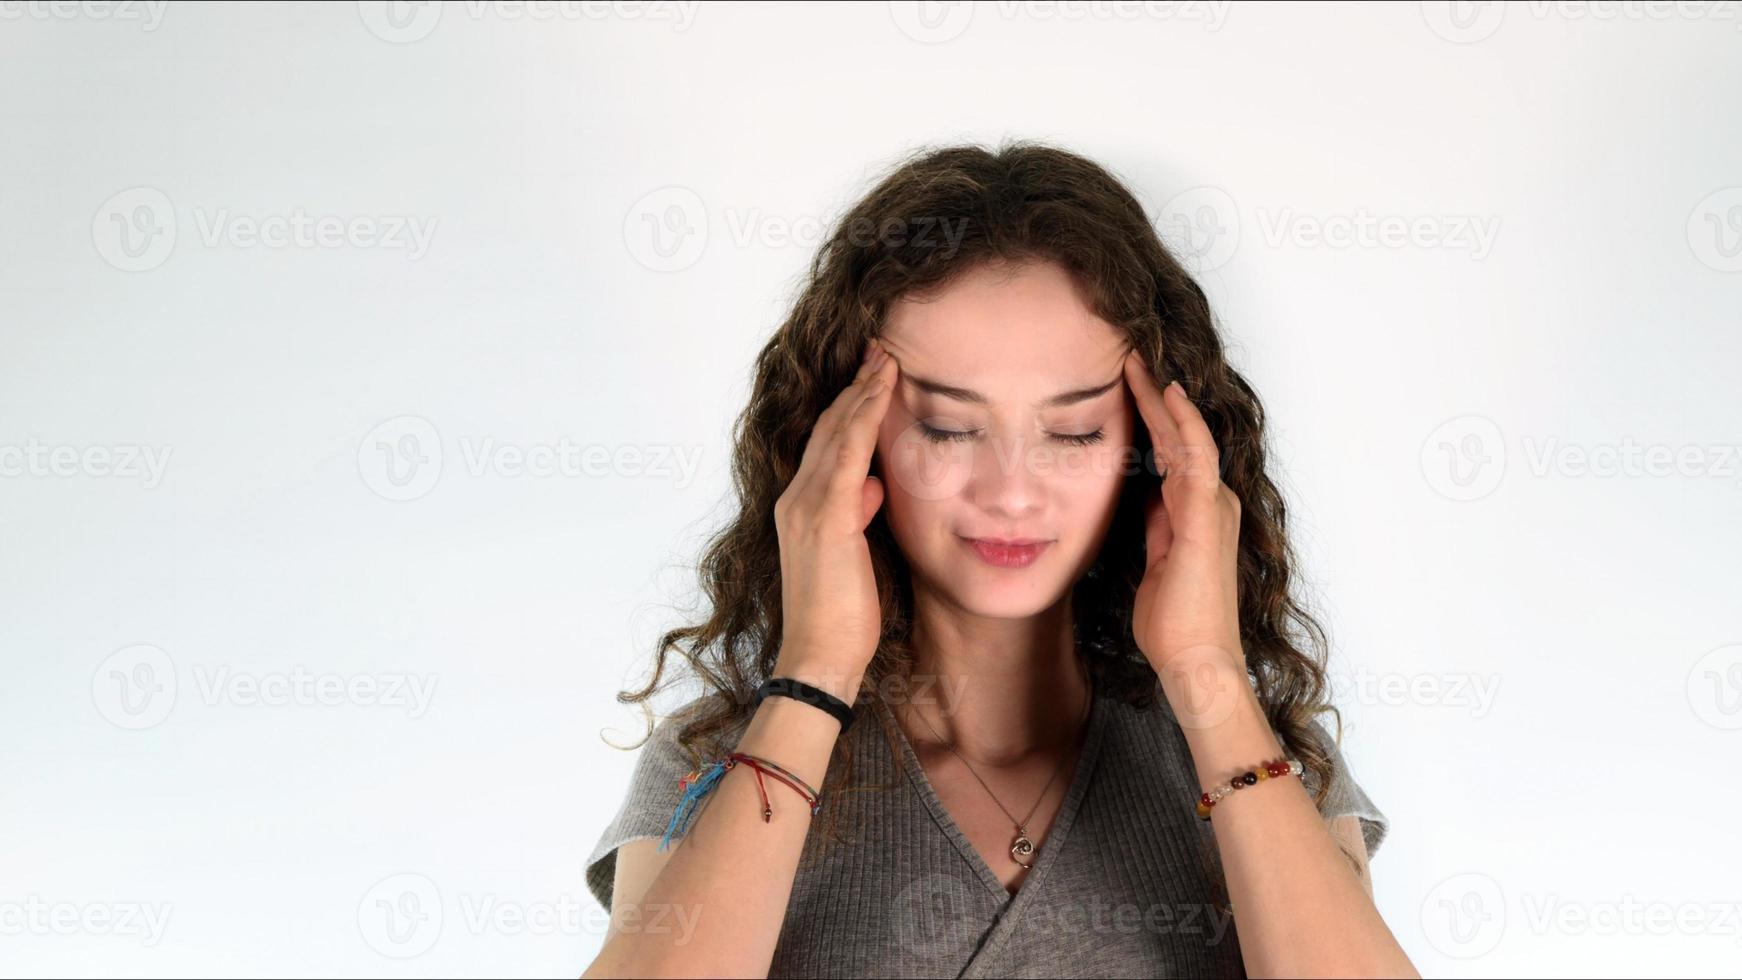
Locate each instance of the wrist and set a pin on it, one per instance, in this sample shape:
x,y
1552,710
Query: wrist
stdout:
x,y
1224,724
1188,655
843,684
793,734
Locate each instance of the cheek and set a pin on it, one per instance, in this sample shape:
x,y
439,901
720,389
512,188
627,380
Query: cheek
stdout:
x,y
1087,479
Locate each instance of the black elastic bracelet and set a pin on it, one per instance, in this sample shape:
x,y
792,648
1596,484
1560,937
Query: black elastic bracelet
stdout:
x,y
800,691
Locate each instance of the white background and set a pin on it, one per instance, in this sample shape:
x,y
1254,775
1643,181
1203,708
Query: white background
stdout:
x,y
1535,619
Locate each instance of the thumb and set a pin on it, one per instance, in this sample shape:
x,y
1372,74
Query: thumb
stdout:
x,y
1158,530
872,498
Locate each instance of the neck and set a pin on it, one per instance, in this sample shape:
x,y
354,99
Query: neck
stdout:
x,y
997,690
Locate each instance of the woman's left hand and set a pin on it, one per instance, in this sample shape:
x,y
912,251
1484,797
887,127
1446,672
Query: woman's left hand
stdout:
x,y
1187,607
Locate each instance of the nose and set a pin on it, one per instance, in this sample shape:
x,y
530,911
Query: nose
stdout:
x,y
1008,482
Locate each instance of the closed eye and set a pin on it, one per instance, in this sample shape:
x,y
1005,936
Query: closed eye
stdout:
x,y
946,435
1084,439
952,435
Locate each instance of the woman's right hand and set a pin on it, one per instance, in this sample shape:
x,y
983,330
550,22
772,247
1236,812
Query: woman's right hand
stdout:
x,y
832,619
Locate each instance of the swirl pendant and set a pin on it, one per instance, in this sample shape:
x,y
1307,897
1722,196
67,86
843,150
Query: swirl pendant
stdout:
x,y
1021,848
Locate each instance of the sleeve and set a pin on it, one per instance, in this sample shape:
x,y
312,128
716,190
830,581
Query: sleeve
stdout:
x,y
646,808
1346,796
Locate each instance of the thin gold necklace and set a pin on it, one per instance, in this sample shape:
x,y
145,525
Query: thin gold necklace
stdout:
x,y
1022,846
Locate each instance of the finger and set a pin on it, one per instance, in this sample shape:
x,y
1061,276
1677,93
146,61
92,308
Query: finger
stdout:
x,y
1203,457
857,439
823,452
849,397
1164,434
828,421
1157,530
871,499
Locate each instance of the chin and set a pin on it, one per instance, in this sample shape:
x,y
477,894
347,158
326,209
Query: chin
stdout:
x,y
999,593
1005,607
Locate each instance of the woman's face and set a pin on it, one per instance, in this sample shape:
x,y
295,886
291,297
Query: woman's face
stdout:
x,y
1011,422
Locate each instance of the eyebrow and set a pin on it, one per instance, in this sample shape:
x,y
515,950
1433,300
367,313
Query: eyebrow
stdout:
x,y
967,395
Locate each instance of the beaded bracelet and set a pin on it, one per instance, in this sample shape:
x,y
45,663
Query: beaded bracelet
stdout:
x,y
1275,769
702,781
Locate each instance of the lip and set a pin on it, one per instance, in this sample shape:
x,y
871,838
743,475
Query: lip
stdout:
x,y
1008,552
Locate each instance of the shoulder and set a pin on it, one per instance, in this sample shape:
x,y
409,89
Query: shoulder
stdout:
x,y
1151,737
1347,803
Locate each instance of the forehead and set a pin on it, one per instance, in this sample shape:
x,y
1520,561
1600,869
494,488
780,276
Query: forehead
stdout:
x,y
1012,331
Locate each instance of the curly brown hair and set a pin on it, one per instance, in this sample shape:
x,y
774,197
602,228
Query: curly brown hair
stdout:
x,y
936,214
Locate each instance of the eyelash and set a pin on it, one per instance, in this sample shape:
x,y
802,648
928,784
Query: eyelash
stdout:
x,y
948,435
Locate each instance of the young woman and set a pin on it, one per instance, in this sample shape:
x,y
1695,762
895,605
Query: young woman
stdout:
x,y
1001,494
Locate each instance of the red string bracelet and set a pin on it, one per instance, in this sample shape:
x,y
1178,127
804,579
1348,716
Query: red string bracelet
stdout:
x,y
1275,769
811,797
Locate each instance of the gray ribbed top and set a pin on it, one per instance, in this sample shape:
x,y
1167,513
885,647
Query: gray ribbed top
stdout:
x,y
1126,882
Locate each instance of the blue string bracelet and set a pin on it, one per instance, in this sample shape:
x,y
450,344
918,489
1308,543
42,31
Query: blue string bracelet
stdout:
x,y
702,782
